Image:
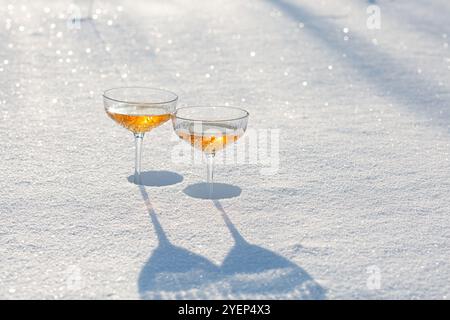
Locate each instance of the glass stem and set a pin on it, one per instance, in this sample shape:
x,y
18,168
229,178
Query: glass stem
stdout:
x,y
210,172
138,137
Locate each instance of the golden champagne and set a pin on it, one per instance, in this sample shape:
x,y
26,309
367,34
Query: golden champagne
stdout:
x,y
209,138
138,119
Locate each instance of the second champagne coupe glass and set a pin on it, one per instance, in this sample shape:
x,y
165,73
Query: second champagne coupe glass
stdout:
x,y
210,129
139,110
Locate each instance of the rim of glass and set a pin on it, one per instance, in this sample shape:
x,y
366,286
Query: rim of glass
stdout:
x,y
246,113
175,98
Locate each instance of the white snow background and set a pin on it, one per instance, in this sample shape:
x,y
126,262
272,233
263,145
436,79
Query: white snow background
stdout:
x,y
359,206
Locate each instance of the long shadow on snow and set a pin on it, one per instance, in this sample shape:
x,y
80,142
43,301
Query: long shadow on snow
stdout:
x,y
248,270
387,74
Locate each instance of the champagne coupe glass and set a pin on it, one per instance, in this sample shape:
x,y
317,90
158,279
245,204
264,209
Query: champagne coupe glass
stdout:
x,y
210,129
139,110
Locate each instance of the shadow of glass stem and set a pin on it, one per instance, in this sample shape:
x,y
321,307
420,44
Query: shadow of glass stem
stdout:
x,y
247,272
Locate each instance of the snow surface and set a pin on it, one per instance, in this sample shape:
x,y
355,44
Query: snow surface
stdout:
x,y
364,179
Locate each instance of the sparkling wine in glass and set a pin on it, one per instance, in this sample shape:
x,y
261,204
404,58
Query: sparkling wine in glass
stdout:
x,y
210,129
139,110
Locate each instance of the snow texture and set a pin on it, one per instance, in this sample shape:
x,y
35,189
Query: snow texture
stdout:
x,y
358,208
